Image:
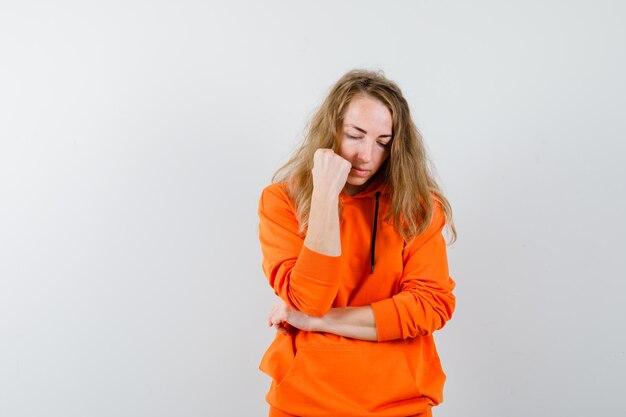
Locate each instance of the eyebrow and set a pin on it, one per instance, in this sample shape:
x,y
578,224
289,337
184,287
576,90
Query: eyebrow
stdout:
x,y
363,131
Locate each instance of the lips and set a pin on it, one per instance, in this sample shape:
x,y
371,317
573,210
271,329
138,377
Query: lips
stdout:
x,y
360,172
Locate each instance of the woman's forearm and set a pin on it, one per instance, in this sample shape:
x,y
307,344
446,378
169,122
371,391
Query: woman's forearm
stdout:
x,y
323,229
353,322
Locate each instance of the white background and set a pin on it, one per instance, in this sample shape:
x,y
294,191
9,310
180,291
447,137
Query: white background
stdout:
x,y
135,139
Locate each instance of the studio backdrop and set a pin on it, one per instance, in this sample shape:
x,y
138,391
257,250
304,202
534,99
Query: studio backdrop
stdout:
x,y
135,140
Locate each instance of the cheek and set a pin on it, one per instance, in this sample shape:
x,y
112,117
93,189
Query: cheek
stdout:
x,y
344,151
382,158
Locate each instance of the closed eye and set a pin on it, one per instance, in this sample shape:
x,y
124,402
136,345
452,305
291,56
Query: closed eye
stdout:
x,y
383,145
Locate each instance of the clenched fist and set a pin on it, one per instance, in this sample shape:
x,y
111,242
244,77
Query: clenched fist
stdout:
x,y
330,172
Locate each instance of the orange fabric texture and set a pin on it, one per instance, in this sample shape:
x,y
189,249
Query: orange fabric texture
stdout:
x,y
410,291
275,412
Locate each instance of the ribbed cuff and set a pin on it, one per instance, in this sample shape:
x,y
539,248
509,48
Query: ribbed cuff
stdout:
x,y
388,324
317,266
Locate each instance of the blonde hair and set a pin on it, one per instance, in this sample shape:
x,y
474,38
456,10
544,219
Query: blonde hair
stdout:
x,y
406,172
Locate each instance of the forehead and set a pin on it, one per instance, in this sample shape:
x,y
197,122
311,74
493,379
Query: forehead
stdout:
x,y
368,113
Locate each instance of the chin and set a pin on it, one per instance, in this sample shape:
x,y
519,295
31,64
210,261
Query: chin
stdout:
x,y
357,181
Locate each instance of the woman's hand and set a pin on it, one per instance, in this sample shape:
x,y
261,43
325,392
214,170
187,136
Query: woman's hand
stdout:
x,y
282,315
330,172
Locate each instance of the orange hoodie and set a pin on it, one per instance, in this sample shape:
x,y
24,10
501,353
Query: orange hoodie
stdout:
x,y
410,291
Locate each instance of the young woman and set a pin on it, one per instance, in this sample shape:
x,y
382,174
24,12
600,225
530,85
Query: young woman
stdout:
x,y
352,243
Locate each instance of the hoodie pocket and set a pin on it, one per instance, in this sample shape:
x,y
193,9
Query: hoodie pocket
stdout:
x,y
346,380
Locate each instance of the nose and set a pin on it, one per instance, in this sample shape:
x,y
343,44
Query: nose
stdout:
x,y
365,151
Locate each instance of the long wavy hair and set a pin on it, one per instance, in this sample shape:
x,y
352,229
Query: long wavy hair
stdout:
x,y
406,172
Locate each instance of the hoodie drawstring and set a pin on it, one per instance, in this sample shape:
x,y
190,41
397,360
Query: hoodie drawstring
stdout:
x,y
373,253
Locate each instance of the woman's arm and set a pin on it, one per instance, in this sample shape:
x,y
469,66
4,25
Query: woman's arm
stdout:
x,y
425,301
424,304
304,278
353,322
302,271
330,172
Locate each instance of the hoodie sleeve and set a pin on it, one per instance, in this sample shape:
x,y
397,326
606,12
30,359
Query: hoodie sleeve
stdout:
x,y
305,279
425,301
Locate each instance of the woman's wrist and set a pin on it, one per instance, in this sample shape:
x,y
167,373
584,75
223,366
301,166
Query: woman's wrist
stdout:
x,y
316,324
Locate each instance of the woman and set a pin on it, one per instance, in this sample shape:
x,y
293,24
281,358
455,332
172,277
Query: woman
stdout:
x,y
352,243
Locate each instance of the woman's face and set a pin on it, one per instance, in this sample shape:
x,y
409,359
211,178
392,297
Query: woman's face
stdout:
x,y
365,140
